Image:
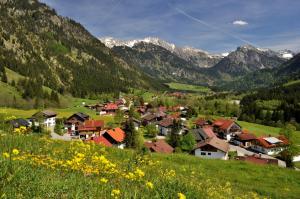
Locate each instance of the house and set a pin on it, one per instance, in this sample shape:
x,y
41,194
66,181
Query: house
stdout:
x,y
244,139
110,108
212,148
202,134
20,122
90,128
72,123
159,146
112,137
270,145
137,123
200,122
149,118
46,118
226,128
165,127
257,159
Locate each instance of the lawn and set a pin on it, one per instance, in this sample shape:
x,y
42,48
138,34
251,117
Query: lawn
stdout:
x,y
189,87
292,83
52,169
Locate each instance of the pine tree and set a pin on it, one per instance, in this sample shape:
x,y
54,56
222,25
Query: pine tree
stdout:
x,y
4,77
174,137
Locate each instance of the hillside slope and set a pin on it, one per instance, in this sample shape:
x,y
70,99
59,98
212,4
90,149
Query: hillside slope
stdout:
x,y
54,169
36,42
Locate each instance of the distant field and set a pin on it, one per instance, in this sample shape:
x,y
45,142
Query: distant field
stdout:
x,y
188,87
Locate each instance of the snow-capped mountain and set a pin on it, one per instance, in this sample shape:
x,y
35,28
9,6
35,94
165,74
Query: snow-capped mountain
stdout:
x,y
198,57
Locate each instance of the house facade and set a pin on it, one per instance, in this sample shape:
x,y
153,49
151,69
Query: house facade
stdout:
x,y
46,118
74,121
270,145
212,148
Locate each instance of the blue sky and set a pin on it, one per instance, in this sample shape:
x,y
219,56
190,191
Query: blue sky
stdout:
x,y
212,25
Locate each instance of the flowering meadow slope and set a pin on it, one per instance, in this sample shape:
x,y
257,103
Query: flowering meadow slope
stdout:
x,y
38,167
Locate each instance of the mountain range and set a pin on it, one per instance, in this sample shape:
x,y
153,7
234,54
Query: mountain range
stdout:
x,y
61,54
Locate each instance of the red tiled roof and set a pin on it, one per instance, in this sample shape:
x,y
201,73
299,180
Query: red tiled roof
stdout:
x,y
223,123
117,134
111,106
102,140
261,141
208,131
246,136
160,146
91,125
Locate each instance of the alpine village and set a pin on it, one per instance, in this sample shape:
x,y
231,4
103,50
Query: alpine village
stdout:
x,y
87,117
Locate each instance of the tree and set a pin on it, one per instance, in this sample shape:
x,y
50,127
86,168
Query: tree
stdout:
x,y
4,77
188,142
174,137
134,139
119,116
151,130
288,154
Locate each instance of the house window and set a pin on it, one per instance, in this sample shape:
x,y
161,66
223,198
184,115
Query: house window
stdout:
x,y
202,153
208,153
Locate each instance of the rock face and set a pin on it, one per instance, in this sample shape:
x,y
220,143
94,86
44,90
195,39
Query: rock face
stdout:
x,y
36,42
247,59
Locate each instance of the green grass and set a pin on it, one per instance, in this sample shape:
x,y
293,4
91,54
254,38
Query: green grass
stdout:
x,y
188,87
292,83
12,75
170,174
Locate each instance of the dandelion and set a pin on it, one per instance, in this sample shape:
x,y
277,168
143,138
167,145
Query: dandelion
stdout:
x,y
181,196
115,192
5,155
103,180
15,151
149,185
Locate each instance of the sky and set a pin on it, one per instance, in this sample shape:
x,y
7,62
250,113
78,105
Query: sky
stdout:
x,y
213,25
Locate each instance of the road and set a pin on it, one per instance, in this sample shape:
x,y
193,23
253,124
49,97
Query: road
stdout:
x,y
65,137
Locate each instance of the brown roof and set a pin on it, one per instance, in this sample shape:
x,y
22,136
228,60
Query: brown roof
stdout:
x,y
216,143
160,146
45,113
149,117
262,142
200,122
166,122
223,123
246,136
257,160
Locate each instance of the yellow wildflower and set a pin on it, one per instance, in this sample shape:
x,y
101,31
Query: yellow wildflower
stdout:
x,y
115,192
103,180
149,185
181,196
139,173
5,155
15,151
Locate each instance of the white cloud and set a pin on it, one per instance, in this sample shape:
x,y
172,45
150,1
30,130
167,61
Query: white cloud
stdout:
x,y
240,23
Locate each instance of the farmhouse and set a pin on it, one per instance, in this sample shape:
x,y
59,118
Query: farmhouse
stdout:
x,y
165,126
46,118
202,134
244,139
159,146
212,148
115,137
270,145
72,123
226,129
90,128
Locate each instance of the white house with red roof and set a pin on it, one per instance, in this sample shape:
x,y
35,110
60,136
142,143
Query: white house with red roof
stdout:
x,y
270,145
111,137
226,128
90,128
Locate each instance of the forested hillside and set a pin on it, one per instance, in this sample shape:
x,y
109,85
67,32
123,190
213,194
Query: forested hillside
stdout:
x,y
59,53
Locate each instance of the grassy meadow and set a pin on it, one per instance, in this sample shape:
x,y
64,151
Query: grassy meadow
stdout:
x,y
189,87
44,168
